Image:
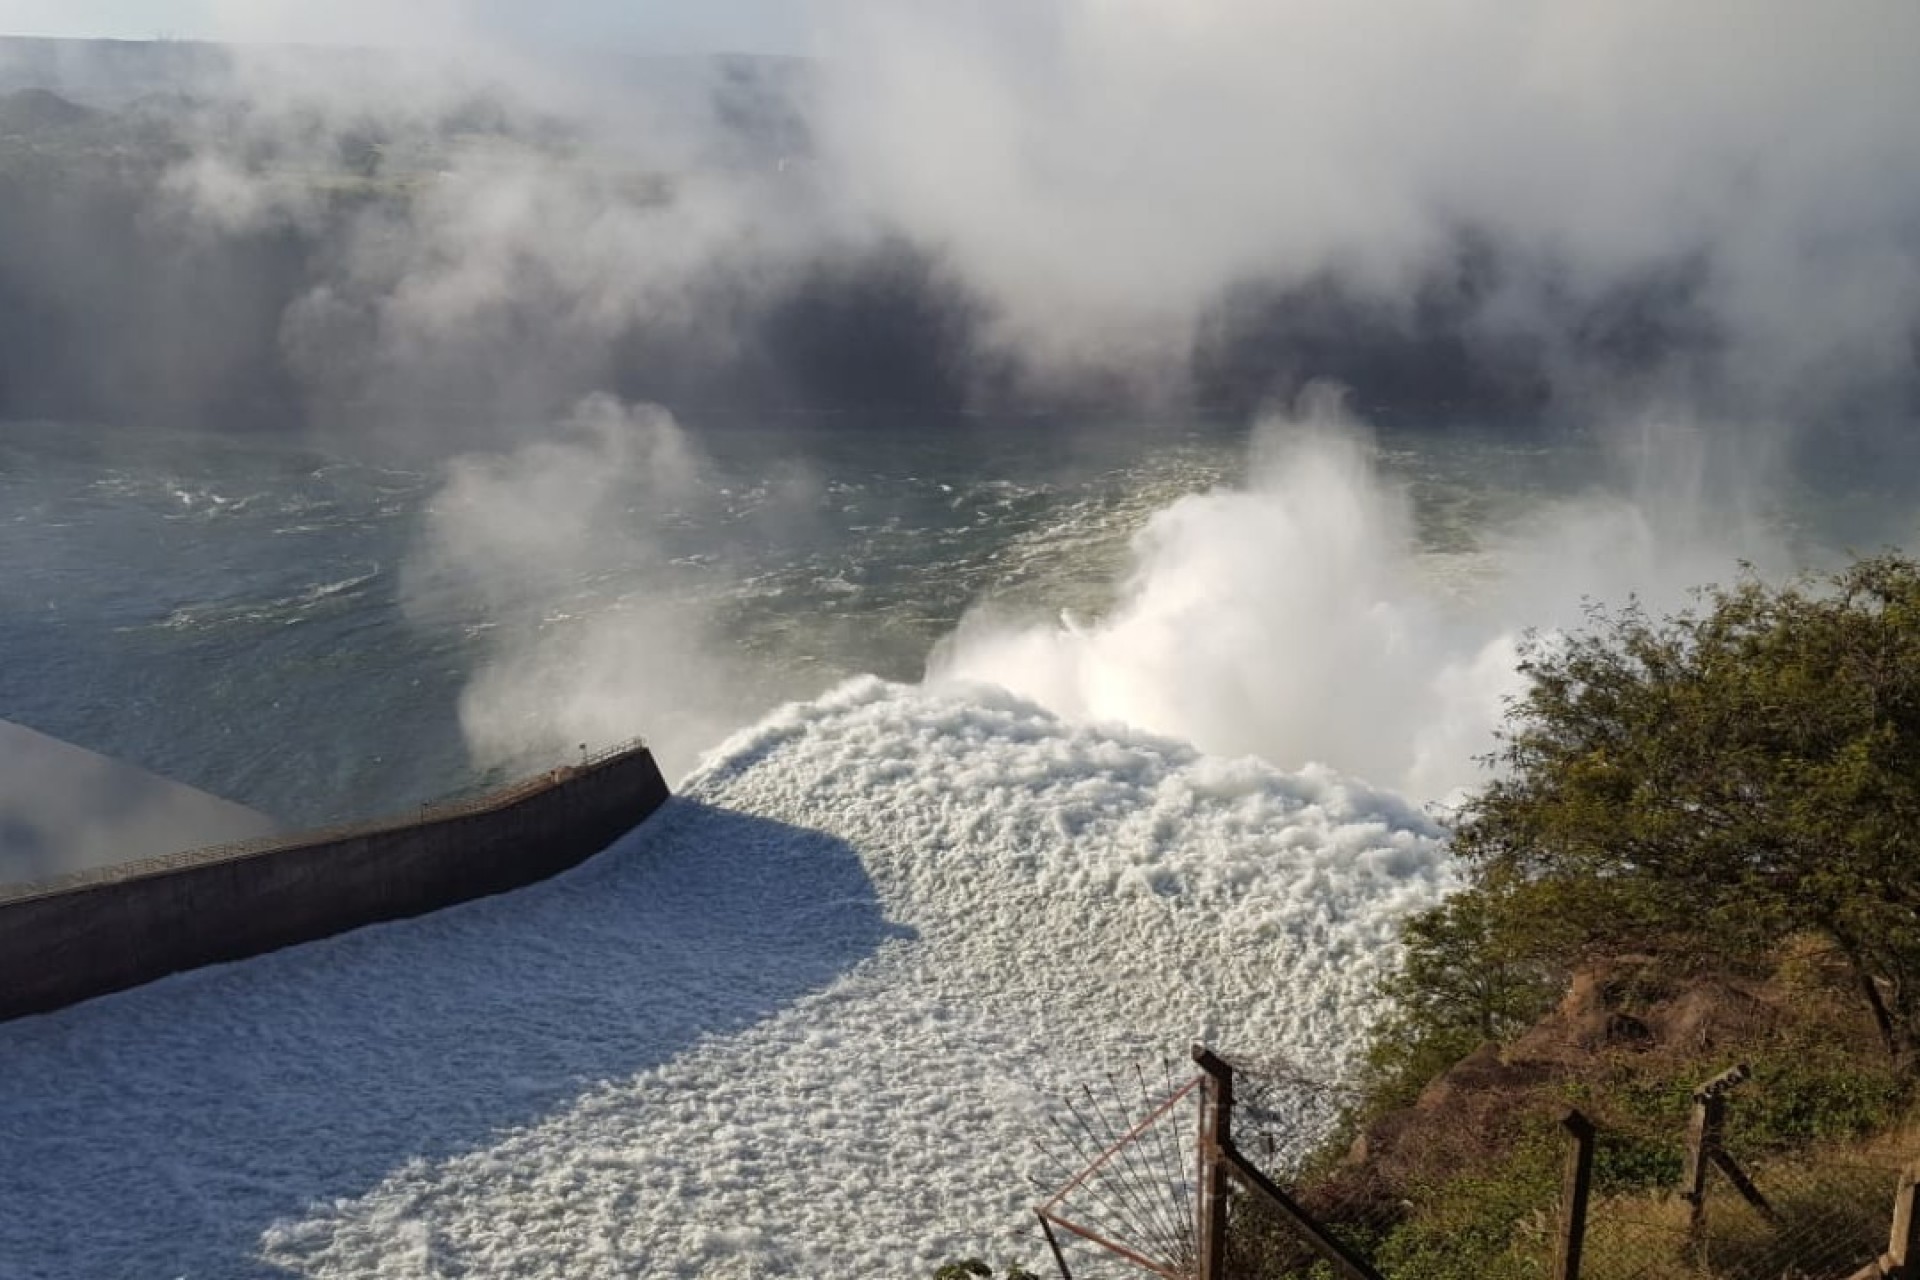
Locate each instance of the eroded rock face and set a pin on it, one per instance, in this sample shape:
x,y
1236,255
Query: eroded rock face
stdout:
x,y
1709,1015
1486,1070
66,809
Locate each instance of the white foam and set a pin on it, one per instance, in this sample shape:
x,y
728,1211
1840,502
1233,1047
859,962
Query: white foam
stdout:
x,y
1296,615
804,1022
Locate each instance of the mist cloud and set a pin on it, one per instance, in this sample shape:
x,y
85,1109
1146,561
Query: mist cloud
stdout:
x,y
1696,222
1295,616
1703,222
551,559
1102,165
1112,199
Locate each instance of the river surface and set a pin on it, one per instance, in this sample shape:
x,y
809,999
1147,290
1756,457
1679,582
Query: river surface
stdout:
x,y
233,613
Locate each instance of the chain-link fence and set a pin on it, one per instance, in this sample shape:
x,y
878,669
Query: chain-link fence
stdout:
x,y
1813,1215
1321,1230
1204,1180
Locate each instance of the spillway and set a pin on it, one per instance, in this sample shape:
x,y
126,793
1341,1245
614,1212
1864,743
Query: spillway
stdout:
x,y
806,1020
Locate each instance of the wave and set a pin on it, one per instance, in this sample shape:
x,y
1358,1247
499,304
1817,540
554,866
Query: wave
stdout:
x,y
805,1021
285,609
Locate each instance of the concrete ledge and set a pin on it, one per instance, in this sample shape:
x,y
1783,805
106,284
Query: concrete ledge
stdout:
x,y
85,935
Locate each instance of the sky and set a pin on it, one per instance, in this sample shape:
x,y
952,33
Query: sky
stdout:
x,y
658,26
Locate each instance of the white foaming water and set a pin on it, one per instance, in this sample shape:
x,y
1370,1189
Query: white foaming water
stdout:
x,y
804,1022
1296,616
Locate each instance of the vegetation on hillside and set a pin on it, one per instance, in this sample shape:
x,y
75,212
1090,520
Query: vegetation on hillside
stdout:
x,y
1698,787
1697,850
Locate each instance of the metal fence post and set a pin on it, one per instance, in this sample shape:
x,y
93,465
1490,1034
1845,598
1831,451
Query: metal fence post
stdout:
x,y
1703,1132
1705,1137
1216,1138
1576,1186
1053,1244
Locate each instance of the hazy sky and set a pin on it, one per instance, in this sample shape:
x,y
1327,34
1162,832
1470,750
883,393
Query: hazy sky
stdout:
x,y
749,26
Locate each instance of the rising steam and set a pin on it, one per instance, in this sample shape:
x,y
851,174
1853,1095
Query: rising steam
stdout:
x,y
551,558
1295,616
1722,203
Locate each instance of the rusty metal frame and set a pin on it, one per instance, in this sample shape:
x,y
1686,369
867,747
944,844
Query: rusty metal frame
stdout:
x,y
1048,1210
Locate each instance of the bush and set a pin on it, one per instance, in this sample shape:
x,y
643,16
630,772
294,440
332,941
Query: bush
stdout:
x,y
1489,1223
1710,783
1728,794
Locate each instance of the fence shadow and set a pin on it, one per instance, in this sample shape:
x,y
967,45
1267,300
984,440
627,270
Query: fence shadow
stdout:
x,y
161,1131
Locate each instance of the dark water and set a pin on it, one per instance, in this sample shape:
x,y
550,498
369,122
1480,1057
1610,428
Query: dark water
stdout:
x,y
233,613
224,615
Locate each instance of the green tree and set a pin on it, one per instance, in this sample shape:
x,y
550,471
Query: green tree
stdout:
x,y
1719,779
1471,973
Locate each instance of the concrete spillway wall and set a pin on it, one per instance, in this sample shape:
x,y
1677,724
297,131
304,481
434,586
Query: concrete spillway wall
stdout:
x,y
68,940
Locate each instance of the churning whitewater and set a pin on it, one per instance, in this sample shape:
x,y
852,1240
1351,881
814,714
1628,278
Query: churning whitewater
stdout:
x,y
806,1021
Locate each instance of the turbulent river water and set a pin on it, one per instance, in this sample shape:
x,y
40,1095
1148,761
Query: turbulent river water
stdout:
x,y
1008,753
239,614
231,613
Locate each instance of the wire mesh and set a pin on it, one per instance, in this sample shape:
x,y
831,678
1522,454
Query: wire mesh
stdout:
x,y
1280,1119
1263,1241
1128,1200
1819,1216
1124,1185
